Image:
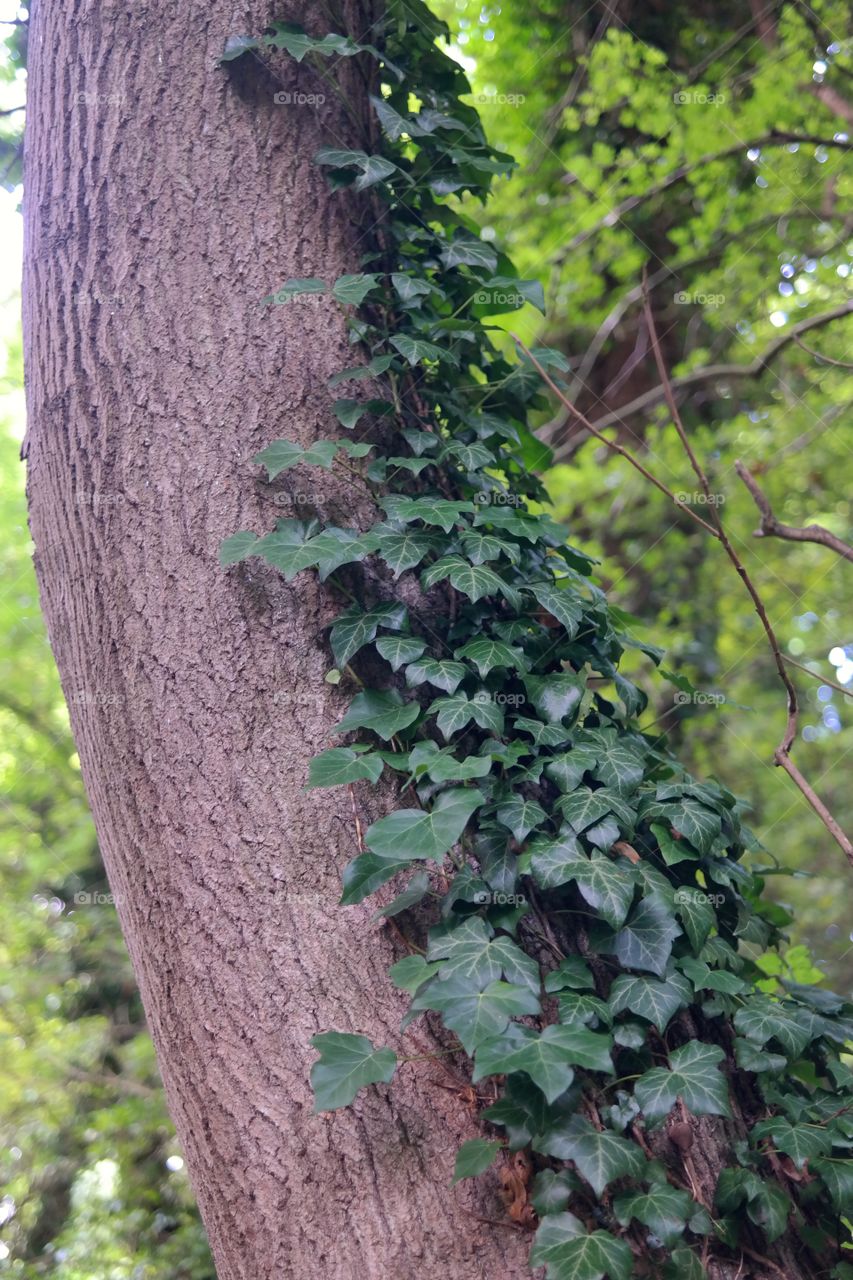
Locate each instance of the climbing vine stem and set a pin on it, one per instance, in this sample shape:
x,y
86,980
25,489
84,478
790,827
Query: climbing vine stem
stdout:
x,y
593,942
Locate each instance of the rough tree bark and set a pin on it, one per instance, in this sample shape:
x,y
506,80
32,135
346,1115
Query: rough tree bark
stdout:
x,y
164,198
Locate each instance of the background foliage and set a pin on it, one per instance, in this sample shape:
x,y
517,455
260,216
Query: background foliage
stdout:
x,y
86,1147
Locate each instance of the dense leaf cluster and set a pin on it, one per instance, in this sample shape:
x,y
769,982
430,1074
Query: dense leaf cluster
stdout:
x,y
594,920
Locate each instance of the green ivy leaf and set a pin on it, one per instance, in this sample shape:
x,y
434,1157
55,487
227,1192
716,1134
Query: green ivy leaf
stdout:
x,y
444,674
663,1209
417,350
382,711
520,815
434,511
354,629
598,1155
656,1000
398,650
346,1064
340,765
456,712
645,942
763,1019
354,289
469,950
472,580
562,1245
548,1057
236,548
419,833
476,1016
282,454
693,1075
563,605
475,1157
487,655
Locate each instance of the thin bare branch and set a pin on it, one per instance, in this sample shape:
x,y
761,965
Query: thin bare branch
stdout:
x,y
770,527
816,675
781,756
611,444
715,371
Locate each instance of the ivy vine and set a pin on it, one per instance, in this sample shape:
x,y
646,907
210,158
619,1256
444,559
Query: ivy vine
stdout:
x,y
595,928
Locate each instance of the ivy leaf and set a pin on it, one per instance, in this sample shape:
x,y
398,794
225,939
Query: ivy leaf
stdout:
x,y
437,511
696,916
416,350
801,1142
562,1245
663,1209
398,650
354,629
349,412
365,874
415,891
555,696
470,951
236,548
282,454
404,550
554,862
384,712
580,1009
543,735
655,1000
645,942
696,823
295,288
749,1057
607,886
290,36
599,1156
693,1075
476,1016
620,768
475,1157
467,252
567,769
838,1177
483,547
582,807
354,289
473,581
454,713
563,605
442,766
444,675
340,765
409,289
548,1057
551,1191
488,654
573,972
522,1111
520,815
763,1019
346,1064
419,833
471,457
378,365
410,973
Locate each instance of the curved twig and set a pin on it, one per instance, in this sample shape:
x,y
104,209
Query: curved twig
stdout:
x,y
771,527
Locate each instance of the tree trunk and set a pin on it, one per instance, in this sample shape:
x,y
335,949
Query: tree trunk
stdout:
x,y
165,198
